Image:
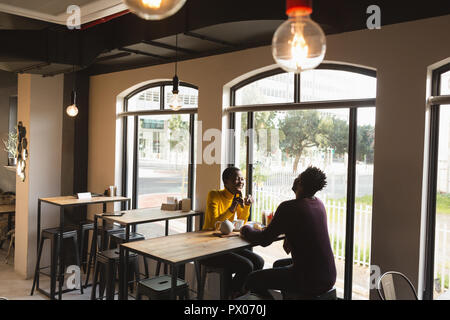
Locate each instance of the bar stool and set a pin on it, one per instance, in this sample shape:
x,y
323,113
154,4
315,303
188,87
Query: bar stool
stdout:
x,y
158,288
52,234
83,232
118,238
202,272
103,233
106,266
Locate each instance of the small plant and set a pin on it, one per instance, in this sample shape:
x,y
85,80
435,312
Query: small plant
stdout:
x,y
11,144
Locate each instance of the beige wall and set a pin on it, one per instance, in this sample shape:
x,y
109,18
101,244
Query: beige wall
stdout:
x,y
40,110
401,55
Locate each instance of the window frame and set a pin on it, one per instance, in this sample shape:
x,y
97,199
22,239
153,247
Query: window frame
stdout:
x,y
351,104
161,111
433,155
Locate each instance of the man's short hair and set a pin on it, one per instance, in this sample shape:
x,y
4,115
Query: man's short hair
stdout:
x,y
312,180
228,173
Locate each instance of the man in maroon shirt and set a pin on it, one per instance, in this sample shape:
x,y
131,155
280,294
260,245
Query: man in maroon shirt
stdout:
x,y
303,221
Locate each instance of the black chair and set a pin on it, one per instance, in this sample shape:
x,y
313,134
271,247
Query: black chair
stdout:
x,y
53,235
394,285
158,288
202,272
106,267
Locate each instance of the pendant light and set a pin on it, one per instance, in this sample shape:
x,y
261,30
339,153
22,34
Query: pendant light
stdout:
x,y
175,102
72,110
154,9
299,44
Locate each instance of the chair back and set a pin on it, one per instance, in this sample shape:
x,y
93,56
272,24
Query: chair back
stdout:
x,y
395,285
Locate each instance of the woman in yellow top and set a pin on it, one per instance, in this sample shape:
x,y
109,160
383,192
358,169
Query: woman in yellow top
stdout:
x,y
225,204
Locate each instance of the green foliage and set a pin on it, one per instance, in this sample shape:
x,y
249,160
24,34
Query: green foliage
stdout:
x,y
11,143
443,203
179,132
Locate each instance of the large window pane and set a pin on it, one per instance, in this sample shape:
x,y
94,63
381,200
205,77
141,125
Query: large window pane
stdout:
x,y
188,96
363,202
445,83
285,144
145,100
163,161
275,89
322,85
442,231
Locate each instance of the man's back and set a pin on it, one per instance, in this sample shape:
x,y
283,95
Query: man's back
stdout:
x,y
304,223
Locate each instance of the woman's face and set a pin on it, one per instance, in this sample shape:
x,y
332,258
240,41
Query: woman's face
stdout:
x,y
236,183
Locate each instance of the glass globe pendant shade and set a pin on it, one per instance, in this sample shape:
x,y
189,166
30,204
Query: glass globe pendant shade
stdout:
x,y
299,44
175,102
72,110
154,9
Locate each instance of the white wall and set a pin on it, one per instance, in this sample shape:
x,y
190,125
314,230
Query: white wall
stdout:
x,y
400,53
40,108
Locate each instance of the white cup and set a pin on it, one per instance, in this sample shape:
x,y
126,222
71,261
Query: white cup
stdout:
x,y
238,223
226,227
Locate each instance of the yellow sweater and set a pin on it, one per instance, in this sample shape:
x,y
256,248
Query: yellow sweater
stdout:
x,y
217,206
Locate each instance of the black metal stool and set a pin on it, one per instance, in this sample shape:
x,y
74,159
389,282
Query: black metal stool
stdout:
x,y
202,271
103,234
117,238
158,288
53,235
83,237
108,261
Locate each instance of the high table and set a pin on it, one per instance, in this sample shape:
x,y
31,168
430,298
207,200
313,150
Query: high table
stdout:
x,y
10,210
64,202
131,218
177,250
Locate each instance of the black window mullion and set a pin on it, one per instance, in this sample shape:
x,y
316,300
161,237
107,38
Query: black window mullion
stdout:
x,y
250,143
350,216
432,187
431,203
162,98
135,162
191,170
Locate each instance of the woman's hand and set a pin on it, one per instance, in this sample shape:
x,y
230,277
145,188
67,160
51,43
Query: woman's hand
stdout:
x,y
248,201
236,200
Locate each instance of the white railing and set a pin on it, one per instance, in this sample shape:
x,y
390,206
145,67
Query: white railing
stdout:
x,y
442,258
268,198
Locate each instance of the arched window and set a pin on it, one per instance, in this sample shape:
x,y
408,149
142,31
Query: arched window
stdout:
x,y
437,265
325,117
158,159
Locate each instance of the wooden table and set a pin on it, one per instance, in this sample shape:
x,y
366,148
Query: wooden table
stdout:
x,y
177,250
131,218
10,210
64,202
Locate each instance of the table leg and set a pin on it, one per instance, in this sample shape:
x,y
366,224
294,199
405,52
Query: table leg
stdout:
x,y
38,232
61,252
93,252
174,282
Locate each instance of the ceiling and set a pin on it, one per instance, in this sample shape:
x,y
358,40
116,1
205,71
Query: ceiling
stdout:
x,y
55,11
37,41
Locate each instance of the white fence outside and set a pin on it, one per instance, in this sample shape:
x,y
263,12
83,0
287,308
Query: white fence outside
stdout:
x,y
269,197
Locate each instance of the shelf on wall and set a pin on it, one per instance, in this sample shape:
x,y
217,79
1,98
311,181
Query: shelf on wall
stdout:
x,y
10,168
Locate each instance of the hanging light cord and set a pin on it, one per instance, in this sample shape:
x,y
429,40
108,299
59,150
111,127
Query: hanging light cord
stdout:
x,y
176,53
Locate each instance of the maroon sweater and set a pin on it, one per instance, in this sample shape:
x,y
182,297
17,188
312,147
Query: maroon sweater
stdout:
x,y
304,223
